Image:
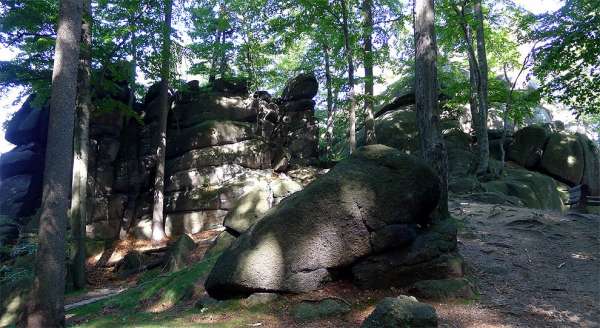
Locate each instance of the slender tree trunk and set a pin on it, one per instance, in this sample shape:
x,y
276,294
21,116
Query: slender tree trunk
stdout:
x,y
329,132
370,137
249,68
133,72
349,57
473,85
484,148
223,64
47,302
158,231
81,149
212,76
432,146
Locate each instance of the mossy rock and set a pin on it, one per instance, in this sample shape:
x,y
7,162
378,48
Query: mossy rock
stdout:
x,y
445,289
533,189
401,311
313,310
179,253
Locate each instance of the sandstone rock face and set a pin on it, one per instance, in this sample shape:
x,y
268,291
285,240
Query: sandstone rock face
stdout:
x,y
205,134
333,223
221,144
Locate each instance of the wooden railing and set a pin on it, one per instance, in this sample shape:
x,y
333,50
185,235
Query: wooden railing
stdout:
x,y
576,194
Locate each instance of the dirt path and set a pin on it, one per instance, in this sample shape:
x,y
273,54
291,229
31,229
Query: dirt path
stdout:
x,y
532,268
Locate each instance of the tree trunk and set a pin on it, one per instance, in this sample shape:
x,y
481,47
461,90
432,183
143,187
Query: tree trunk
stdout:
x,y
81,149
473,85
349,57
370,137
158,231
484,148
212,74
47,302
133,67
432,146
329,132
223,64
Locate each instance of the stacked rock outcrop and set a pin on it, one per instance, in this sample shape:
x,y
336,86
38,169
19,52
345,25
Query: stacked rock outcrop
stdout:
x,y
21,169
221,144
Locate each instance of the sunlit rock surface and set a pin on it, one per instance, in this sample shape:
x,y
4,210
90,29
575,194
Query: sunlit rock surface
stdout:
x,y
378,200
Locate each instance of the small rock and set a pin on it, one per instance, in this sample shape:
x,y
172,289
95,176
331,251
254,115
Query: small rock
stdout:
x,y
178,255
312,310
401,311
131,263
443,289
205,302
259,299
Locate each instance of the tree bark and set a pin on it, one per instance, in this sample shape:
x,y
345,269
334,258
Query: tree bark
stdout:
x,y
158,231
473,84
329,131
212,75
81,149
47,303
349,57
484,148
432,145
370,137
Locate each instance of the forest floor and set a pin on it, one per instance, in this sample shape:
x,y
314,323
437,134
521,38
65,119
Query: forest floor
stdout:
x,y
530,268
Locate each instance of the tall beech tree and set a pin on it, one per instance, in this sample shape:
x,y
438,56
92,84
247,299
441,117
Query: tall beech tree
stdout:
x,y
351,94
81,148
158,230
482,141
367,9
432,147
478,75
46,305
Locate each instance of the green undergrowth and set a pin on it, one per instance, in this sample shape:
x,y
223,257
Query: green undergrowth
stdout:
x,y
154,297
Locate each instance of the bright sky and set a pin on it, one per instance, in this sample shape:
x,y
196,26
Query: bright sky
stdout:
x,y
8,107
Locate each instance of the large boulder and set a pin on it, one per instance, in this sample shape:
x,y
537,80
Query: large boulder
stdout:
x,y
563,158
328,225
398,129
206,134
303,86
528,146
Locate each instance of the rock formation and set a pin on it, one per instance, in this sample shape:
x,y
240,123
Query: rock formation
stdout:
x,y
369,216
222,148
